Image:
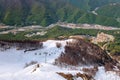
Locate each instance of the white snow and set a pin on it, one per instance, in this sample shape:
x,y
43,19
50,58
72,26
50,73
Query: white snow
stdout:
x,y
109,75
79,78
12,64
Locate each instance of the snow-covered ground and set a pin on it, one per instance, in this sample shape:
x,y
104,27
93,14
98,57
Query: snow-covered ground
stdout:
x,y
13,62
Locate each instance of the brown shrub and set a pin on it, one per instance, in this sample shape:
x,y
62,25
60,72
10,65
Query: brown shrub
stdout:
x,y
66,76
85,76
77,75
31,63
58,45
26,44
79,52
90,71
109,66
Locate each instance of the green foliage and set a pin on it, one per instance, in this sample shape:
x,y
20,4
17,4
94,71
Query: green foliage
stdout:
x,y
87,18
46,12
58,31
36,14
54,33
112,10
82,4
11,36
91,4
113,47
5,29
13,17
97,19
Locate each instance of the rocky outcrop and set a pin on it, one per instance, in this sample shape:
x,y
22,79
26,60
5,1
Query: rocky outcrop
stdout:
x,y
102,37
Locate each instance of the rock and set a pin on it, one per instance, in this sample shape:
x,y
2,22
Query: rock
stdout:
x,y
102,37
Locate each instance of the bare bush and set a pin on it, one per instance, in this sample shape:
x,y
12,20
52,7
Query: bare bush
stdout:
x,y
31,63
80,52
26,44
91,71
85,76
58,45
66,76
109,66
70,76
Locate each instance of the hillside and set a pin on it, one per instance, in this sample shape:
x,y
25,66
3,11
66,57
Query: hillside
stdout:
x,y
91,4
85,54
46,12
40,12
29,64
111,10
98,19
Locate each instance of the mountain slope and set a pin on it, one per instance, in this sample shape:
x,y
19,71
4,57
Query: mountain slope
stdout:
x,y
98,19
40,12
39,64
46,12
91,4
111,10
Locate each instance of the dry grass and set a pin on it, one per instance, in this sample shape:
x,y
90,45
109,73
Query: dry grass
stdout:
x,y
66,76
77,75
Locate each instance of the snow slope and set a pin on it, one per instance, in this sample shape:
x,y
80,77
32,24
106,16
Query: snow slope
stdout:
x,y
12,64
